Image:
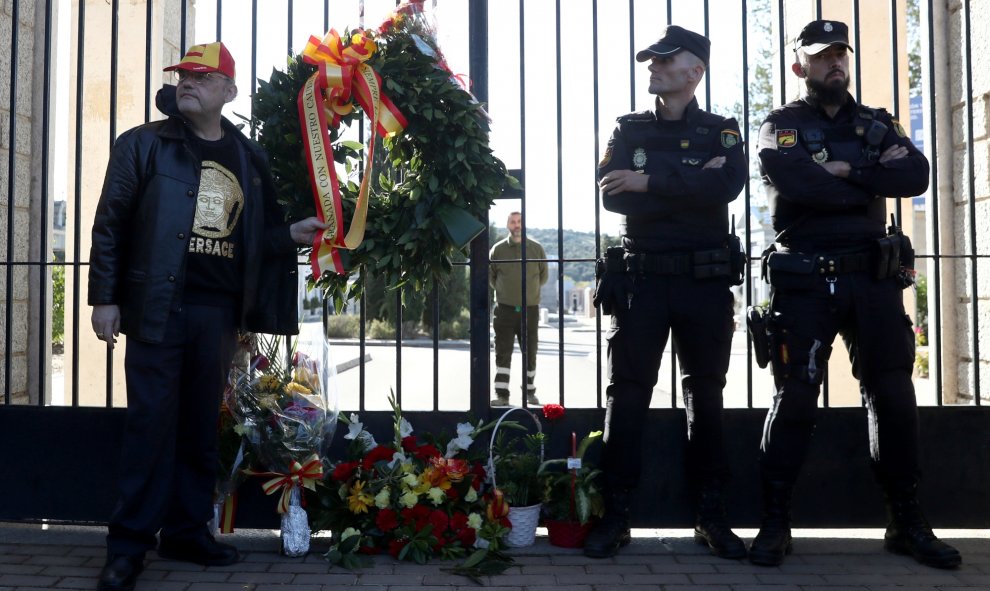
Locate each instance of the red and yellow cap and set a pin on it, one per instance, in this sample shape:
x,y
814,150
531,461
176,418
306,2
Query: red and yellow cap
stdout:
x,y
211,57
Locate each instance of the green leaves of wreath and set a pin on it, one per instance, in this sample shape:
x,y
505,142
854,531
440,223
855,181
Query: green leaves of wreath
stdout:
x,y
436,181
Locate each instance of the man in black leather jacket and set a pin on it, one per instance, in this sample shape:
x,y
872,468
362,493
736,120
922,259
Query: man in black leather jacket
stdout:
x,y
188,246
827,163
672,173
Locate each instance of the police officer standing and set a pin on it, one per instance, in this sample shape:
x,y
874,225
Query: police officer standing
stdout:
x,y
672,172
827,161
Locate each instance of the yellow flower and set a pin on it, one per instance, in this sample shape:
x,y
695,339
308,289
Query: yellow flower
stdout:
x,y
382,499
409,499
296,388
359,500
436,496
269,383
474,521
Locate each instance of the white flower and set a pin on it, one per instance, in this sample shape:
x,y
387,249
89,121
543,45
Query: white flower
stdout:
x,y
382,499
405,429
348,533
436,495
410,480
354,427
397,458
409,499
462,441
472,495
474,521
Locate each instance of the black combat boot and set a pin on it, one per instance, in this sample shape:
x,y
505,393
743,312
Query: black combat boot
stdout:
x,y
711,528
909,533
774,540
612,532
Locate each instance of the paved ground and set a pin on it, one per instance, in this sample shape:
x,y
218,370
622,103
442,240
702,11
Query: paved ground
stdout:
x,y
62,557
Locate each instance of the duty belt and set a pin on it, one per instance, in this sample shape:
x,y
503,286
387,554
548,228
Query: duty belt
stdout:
x,y
838,264
657,264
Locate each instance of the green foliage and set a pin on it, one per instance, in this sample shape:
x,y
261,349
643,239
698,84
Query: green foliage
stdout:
x,y
58,305
343,326
572,495
442,161
517,462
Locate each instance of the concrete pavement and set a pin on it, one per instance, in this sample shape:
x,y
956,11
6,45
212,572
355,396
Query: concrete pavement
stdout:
x,y
70,557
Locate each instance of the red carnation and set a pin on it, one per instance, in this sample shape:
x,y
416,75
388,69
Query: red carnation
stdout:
x,y
439,521
420,512
552,412
260,362
382,452
396,546
409,443
343,471
458,521
370,550
467,537
387,520
425,452
407,516
452,493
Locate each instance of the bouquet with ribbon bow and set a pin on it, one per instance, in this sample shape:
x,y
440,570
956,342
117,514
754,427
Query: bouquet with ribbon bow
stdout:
x,y
283,410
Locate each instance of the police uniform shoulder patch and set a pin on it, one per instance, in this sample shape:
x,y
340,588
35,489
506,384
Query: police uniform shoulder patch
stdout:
x,y
606,158
729,138
898,128
786,138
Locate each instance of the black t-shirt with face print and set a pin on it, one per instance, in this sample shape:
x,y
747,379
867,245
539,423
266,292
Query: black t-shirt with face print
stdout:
x,y
214,261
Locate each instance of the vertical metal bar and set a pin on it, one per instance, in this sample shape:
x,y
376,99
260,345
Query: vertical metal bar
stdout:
x,y
44,334
219,19
480,312
435,298
895,86
288,40
971,193
818,9
326,16
77,196
745,127
856,53
670,11
149,5
598,196
362,338
523,342
935,328
114,55
632,52
560,220
11,170
254,63
183,11
708,78
781,42
398,344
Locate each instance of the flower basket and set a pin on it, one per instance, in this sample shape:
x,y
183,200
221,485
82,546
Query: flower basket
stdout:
x,y
524,519
568,534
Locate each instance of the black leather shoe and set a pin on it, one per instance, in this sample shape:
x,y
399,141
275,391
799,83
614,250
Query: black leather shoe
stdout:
x,y
120,573
198,550
609,535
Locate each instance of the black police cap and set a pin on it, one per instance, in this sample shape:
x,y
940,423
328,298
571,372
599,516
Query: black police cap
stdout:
x,y
674,40
816,36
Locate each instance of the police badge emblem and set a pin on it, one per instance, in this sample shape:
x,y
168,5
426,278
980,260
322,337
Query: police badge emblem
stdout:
x,y
821,156
639,158
828,27
729,138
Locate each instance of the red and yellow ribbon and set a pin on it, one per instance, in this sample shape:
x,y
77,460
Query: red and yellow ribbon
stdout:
x,y
326,96
227,512
304,475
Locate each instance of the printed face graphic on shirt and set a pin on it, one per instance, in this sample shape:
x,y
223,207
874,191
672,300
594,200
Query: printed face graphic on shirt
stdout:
x,y
219,203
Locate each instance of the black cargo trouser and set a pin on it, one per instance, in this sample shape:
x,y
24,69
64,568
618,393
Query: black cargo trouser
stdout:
x,y
698,313
869,314
508,325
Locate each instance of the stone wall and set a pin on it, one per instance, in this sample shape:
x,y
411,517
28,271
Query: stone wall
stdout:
x,y
14,283
969,191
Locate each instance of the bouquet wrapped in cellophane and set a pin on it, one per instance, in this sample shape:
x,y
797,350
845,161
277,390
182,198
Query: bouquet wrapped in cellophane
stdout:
x,y
284,410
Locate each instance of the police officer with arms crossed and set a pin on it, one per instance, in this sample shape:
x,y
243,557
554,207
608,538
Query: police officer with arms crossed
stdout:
x,y
827,161
672,173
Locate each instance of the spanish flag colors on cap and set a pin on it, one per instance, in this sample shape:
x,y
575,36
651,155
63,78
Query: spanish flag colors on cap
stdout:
x,y
211,57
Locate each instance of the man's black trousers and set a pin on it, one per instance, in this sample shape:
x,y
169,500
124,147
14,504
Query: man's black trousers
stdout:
x,y
168,463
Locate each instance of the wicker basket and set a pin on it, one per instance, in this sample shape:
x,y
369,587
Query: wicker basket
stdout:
x,y
524,519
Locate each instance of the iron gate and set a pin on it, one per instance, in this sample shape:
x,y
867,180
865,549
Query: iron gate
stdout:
x,y
81,72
